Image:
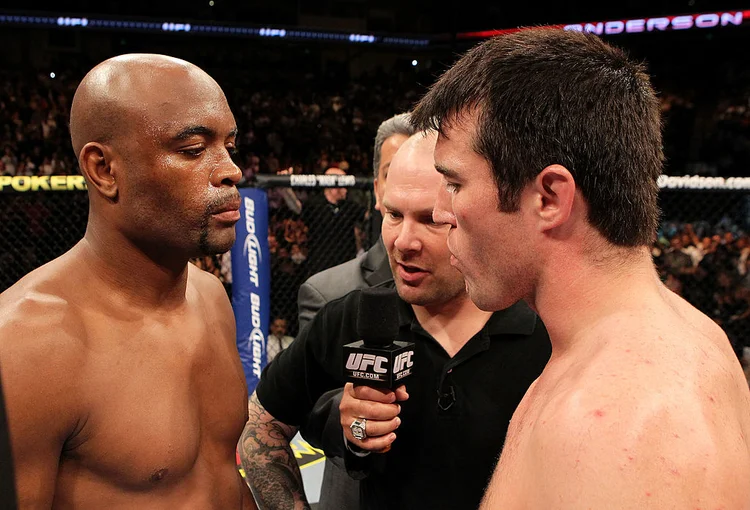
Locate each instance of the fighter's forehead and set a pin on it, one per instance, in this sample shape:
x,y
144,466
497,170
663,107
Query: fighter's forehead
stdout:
x,y
158,90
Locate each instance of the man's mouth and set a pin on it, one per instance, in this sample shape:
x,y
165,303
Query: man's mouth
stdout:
x,y
411,274
228,212
411,269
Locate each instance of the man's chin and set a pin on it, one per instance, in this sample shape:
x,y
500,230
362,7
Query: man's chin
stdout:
x,y
216,248
215,242
489,303
409,293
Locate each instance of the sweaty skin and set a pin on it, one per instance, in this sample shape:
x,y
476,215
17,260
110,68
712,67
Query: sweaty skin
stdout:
x,y
123,384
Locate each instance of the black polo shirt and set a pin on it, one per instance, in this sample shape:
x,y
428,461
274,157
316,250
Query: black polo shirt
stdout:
x,y
452,427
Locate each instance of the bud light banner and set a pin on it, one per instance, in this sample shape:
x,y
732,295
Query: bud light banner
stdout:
x,y
251,283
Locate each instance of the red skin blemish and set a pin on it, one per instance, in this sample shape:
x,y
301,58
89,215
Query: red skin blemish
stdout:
x,y
598,413
648,494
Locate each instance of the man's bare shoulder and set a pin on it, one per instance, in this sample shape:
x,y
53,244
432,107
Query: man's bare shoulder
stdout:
x,y
658,420
672,347
677,356
209,297
206,284
651,455
43,351
42,311
690,320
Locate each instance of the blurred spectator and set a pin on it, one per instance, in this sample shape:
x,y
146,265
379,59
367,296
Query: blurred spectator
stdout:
x,y
675,260
33,124
718,284
277,340
334,227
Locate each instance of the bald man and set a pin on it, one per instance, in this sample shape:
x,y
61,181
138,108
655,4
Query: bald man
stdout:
x,y
122,380
334,227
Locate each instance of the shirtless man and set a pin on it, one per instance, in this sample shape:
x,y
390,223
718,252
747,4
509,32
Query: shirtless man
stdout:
x,y
550,149
122,380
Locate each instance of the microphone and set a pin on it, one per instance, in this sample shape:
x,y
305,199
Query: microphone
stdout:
x,y
378,359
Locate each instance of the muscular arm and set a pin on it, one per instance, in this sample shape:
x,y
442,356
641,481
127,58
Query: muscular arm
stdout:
x,y
271,469
40,368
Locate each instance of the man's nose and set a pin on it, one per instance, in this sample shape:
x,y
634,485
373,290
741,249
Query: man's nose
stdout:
x,y
408,238
442,213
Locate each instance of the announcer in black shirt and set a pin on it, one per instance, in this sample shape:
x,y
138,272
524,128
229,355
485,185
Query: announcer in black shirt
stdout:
x,y
471,369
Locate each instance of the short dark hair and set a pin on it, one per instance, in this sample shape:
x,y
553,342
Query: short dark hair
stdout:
x,y
549,96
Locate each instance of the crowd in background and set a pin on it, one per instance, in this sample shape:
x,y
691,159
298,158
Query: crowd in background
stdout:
x,y
34,113
709,266
312,123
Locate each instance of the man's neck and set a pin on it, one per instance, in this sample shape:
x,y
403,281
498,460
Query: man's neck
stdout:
x,y
130,276
452,323
576,295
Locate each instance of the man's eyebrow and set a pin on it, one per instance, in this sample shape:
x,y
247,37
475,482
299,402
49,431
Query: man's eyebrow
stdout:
x,y
195,131
201,131
447,172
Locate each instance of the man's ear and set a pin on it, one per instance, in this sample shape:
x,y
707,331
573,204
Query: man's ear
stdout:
x,y
95,161
554,189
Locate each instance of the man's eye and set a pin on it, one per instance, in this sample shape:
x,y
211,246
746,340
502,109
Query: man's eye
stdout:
x,y
193,152
451,187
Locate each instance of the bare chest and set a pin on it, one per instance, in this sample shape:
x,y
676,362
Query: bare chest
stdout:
x,y
162,397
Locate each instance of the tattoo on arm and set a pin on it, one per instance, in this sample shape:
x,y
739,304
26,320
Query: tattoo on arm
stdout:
x,y
269,464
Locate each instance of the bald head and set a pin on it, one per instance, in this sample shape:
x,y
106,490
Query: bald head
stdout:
x,y
125,92
415,162
335,171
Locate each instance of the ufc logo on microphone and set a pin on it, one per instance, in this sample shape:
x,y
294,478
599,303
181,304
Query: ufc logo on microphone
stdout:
x,y
360,362
402,361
